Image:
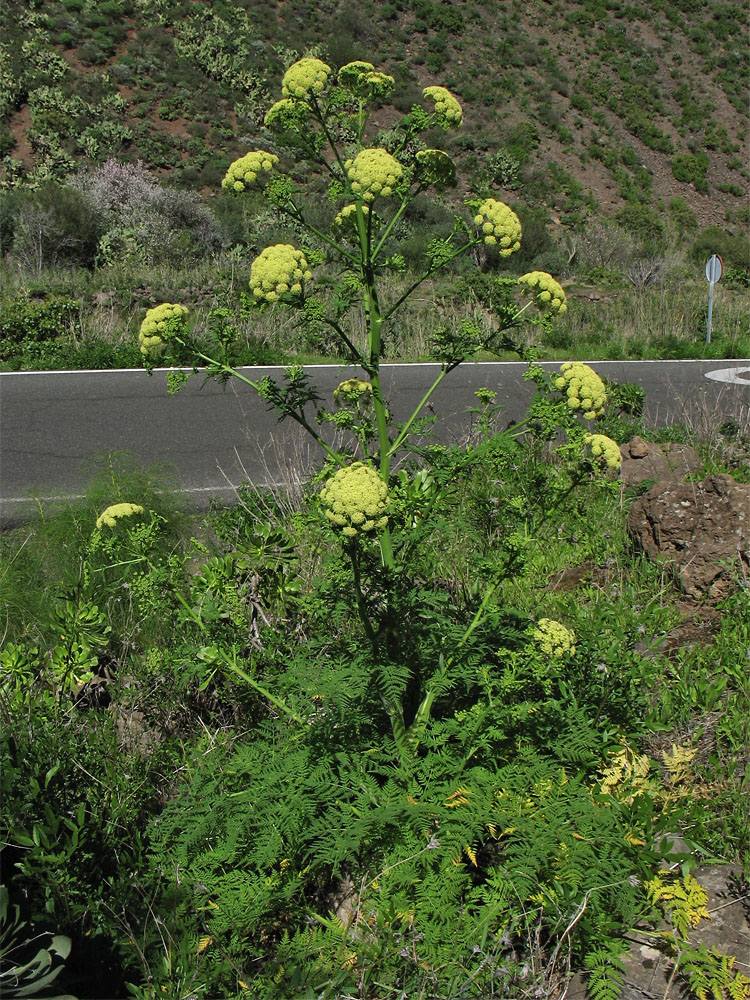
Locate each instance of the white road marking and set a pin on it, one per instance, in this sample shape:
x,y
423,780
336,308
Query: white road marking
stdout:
x,y
345,364
735,376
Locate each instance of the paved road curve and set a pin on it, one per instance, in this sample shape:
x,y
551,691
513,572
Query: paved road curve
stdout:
x,y
53,423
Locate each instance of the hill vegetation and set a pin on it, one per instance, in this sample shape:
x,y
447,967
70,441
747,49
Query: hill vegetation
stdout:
x,y
618,131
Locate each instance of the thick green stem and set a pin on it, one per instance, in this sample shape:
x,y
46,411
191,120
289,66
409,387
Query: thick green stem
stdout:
x,y
389,228
361,605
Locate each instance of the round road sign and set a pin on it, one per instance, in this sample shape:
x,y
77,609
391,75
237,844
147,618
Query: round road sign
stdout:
x,y
714,268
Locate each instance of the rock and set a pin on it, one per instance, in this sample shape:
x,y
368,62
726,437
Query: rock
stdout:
x,y
704,528
643,460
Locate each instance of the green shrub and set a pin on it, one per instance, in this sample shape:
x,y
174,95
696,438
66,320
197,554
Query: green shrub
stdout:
x,y
691,168
732,247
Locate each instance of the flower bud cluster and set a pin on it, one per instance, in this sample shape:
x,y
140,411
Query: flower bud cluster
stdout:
x,y
159,324
553,638
346,221
112,514
356,500
435,168
605,450
306,78
363,80
279,270
447,108
286,115
583,387
249,171
500,226
351,390
373,172
548,293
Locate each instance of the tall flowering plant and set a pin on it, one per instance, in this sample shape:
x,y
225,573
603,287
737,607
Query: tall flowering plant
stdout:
x,y
323,118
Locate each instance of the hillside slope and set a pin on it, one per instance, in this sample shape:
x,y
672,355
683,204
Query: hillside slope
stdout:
x,y
603,107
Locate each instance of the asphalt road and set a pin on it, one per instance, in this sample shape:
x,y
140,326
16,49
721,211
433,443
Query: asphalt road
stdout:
x,y
53,424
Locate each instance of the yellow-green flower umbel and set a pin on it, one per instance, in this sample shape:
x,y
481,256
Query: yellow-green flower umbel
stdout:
x,y
159,325
356,500
286,115
499,225
279,270
548,294
447,108
374,172
115,512
584,389
363,80
435,168
305,79
350,391
251,170
345,221
553,638
605,450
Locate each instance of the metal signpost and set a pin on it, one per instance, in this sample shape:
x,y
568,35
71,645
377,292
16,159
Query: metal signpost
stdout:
x,y
714,270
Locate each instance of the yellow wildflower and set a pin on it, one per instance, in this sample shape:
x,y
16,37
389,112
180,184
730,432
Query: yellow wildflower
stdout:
x,y
356,500
548,293
159,324
554,639
435,168
583,387
363,80
500,226
249,171
605,450
306,78
112,514
374,172
279,270
351,390
447,108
